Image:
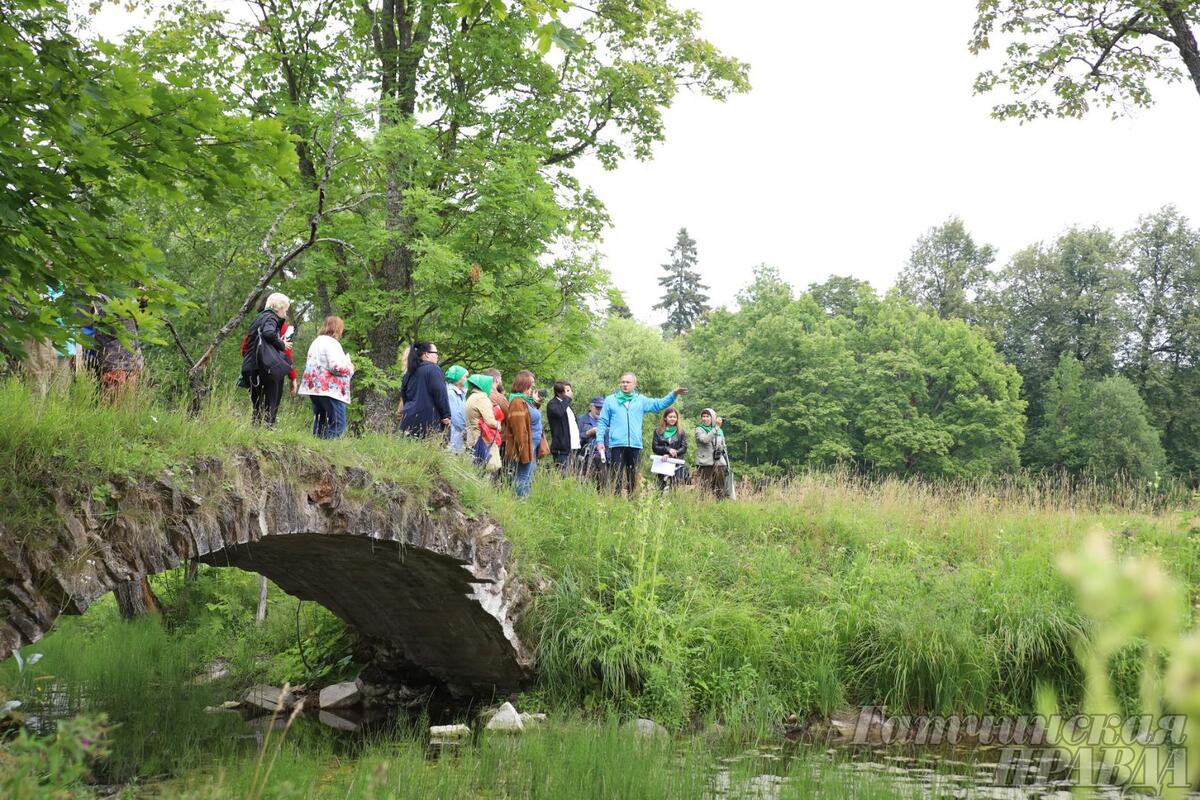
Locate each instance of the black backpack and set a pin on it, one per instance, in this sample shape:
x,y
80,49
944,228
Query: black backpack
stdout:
x,y
262,357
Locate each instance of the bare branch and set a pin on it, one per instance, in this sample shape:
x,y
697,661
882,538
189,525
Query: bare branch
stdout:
x,y
353,203
275,265
269,237
178,341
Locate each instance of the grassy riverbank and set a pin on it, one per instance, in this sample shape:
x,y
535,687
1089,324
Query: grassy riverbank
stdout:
x,y
824,592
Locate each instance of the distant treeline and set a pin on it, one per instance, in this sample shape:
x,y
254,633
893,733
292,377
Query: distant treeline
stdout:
x,y
1079,356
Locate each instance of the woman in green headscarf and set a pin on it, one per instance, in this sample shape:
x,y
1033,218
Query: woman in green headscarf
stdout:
x,y
670,440
482,422
711,460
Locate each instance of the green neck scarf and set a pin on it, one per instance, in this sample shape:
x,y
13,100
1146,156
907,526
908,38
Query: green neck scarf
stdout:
x,y
515,395
624,397
710,429
670,433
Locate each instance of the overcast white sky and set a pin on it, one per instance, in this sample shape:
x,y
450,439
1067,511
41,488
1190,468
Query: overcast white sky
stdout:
x,y
861,132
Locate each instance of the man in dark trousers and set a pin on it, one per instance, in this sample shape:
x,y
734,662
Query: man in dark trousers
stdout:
x,y
589,461
564,430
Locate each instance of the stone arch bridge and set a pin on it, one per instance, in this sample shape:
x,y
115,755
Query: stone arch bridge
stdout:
x,y
411,571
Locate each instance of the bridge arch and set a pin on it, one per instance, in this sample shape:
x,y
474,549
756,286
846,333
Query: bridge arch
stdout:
x,y
409,569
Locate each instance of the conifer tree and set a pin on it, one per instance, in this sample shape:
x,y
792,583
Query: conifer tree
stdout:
x,y
684,300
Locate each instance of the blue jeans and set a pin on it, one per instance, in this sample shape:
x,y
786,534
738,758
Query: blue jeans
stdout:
x,y
525,478
329,417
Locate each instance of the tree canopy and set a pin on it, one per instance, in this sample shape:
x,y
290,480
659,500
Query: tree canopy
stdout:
x,y
1063,58
684,297
887,387
113,130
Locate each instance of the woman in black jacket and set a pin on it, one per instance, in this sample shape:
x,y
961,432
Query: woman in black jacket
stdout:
x,y
265,364
670,439
426,404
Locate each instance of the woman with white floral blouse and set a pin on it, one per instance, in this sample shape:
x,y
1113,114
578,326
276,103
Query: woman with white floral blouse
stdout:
x,y
326,380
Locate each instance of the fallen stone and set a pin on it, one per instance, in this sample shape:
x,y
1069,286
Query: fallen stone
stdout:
x,y
215,671
440,732
531,720
340,695
229,705
221,709
337,721
264,724
645,727
506,719
269,698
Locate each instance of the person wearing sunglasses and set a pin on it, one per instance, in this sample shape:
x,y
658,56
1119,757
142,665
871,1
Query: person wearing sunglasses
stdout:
x,y
426,405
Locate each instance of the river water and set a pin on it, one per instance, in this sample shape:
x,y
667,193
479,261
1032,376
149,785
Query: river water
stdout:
x,y
770,771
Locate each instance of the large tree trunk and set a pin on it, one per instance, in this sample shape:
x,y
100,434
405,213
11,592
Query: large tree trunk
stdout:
x,y
404,29
1185,40
135,598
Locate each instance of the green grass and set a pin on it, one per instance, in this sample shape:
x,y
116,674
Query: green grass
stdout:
x,y
68,444
565,760
145,675
829,591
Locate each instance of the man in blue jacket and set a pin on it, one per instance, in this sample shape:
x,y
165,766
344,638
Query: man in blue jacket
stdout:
x,y
619,429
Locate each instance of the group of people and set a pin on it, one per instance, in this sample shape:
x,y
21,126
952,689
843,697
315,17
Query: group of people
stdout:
x,y
505,433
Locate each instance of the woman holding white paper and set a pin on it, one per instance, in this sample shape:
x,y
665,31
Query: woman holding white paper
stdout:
x,y
669,444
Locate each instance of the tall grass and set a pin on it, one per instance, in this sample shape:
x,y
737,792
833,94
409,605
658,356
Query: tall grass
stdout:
x,y
831,590
564,761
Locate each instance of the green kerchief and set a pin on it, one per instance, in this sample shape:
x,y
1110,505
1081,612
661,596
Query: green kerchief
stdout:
x,y
481,383
455,373
670,433
624,397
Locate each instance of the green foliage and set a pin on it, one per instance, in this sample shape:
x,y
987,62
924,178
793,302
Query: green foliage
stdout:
x,y
52,767
1061,298
624,345
879,383
947,271
1138,614
472,230
841,296
1162,348
683,299
114,131
1064,58
1095,427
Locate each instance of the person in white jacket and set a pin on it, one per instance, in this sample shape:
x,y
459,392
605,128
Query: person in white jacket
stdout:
x,y
326,380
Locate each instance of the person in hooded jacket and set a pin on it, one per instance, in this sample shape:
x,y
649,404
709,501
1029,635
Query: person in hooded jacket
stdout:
x,y
481,437
265,359
426,410
712,461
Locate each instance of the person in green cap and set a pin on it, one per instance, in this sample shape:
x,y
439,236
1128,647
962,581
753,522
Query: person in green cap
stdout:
x,y
456,380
